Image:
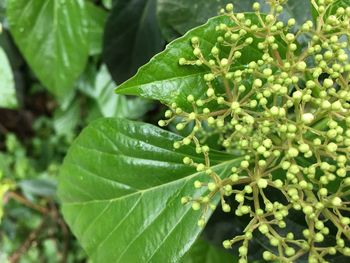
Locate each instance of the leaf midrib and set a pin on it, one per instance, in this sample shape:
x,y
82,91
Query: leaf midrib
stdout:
x,y
151,188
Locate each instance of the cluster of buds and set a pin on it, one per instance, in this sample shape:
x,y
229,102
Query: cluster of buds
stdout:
x,y
288,114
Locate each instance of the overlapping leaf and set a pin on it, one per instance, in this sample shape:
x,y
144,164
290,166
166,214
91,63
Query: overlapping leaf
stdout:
x,y
96,19
51,35
120,187
7,85
131,37
165,80
202,251
177,17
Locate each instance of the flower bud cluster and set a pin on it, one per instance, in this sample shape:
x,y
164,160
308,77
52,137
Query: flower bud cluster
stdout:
x,y
288,113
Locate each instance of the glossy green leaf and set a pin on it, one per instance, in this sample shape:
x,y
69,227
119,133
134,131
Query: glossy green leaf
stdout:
x,y
165,80
202,252
7,85
131,37
96,19
52,36
120,187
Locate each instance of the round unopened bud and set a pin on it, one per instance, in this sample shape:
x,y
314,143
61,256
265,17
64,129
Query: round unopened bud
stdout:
x,y
291,22
229,7
194,40
327,83
336,201
184,200
226,244
262,183
256,6
212,186
201,222
182,61
226,208
264,229
301,66
197,184
268,256
196,52
196,206
307,118
187,160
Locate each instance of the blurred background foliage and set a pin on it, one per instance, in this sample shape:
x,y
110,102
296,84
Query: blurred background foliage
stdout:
x,y
60,61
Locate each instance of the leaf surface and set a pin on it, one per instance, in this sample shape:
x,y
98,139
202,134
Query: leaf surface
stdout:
x,y
203,252
52,36
120,187
96,18
115,105
131,37
177,17
7,85
165,80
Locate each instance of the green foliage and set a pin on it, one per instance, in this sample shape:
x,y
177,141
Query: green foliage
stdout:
x,y
137,44
154,183
177,17
7,92
56,53
202,251
96,20
245,78
171,82
132,192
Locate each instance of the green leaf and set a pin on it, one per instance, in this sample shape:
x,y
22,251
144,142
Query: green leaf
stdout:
x,y
113,105
38,187
107,4
7,85
131,38
2,10
52,36
332,9
120,187
202,251
165,80
177,17
66,121
97,20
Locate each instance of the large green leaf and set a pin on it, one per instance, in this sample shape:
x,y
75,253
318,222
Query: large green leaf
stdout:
x,y
120,187
52,36
165,80
7,85
131,37
203,252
